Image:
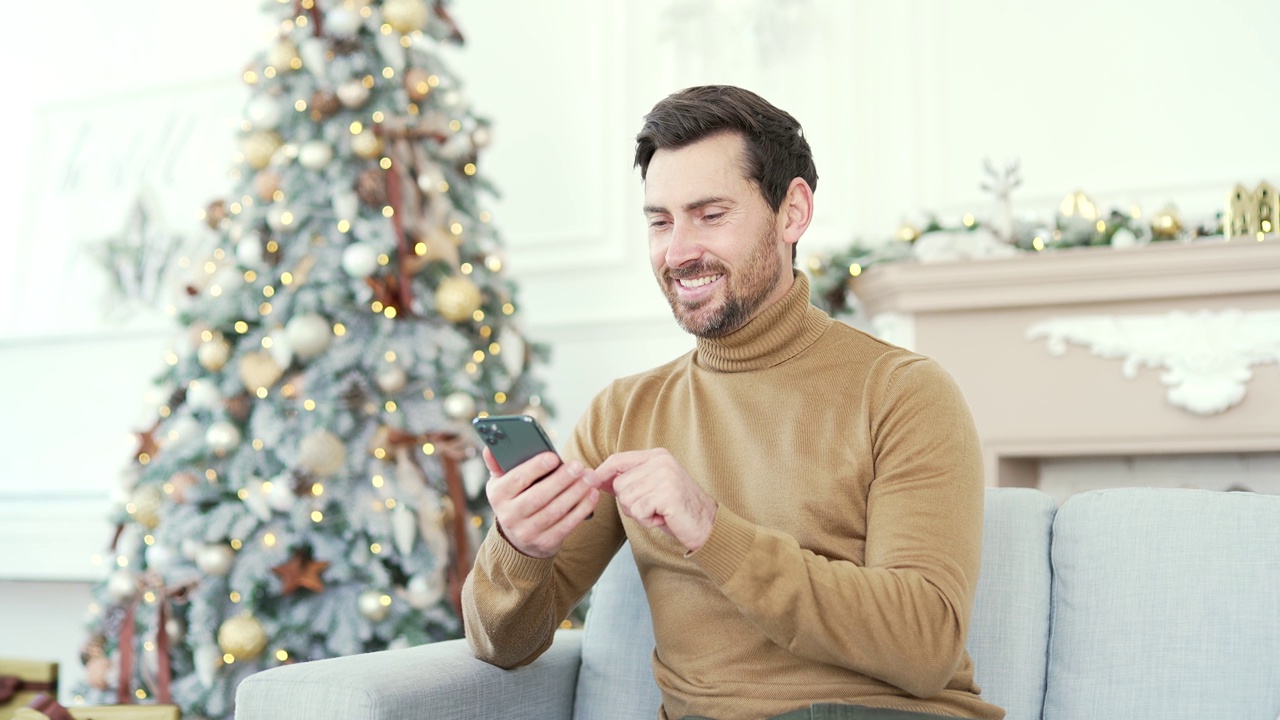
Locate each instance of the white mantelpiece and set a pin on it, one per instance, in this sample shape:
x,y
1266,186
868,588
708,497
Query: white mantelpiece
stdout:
x,y
1030,404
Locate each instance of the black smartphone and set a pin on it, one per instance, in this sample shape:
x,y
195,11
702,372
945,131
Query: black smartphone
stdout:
x,y
512,439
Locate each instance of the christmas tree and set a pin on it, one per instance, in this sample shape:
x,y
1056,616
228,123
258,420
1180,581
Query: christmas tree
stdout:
x,y
311,488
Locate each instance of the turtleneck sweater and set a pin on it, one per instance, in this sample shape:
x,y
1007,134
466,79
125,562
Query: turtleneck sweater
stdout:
x,y
844,555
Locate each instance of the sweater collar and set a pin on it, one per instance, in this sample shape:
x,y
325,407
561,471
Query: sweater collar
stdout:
x,y
776,335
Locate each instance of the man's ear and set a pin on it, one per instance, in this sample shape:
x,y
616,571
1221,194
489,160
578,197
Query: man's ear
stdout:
x,y
796,210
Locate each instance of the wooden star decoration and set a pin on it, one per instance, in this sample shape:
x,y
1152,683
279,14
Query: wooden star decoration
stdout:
x,y
386,290
300,571
147,444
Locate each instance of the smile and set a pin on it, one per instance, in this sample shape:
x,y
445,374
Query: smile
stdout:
x,y
691,283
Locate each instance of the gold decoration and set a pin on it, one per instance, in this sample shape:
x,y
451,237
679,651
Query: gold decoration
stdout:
x,y
265,185
144,506
405,16
366,144
214,353
1238,219
259,370
242,637
300,572
1166,224
258,147
322,453
1252,213
284,56
1077,213
1268,202
457,298
908,232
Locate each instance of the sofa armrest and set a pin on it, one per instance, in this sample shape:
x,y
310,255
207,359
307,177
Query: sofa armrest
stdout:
x,y
440,680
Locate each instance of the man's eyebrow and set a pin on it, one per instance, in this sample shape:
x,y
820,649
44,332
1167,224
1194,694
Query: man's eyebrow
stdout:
x,y
703,202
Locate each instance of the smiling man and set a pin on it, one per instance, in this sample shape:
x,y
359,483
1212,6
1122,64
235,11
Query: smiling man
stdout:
x,y
804,501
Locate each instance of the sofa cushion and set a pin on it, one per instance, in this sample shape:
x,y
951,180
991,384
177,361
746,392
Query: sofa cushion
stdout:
x,y
616,678
1166,605
1009,631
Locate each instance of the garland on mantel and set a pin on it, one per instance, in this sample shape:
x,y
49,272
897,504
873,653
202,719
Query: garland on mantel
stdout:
x,y
1078,222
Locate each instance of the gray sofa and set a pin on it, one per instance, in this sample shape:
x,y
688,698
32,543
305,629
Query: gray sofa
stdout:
x,y
1124,604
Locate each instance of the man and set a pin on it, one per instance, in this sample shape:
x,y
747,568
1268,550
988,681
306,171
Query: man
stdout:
x,y
804,501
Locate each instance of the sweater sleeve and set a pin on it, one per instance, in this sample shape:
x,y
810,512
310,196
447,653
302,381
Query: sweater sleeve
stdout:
x,y
512,603
902,614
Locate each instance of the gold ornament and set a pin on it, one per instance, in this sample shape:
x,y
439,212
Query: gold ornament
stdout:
x,y
284,56
1166,224
265,185
417,84
258,148
1077,213
322,453
366,144
374,605
144,506
242,637
405,16
259,370
1238,219
1267,216
908,232
457,299
214,354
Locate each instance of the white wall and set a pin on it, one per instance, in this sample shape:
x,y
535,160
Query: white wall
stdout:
x,y
1142,101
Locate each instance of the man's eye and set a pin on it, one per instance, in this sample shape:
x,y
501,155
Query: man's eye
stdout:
x,y
658,224
713,217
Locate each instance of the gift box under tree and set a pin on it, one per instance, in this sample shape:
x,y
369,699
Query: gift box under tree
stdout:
x,y
22,680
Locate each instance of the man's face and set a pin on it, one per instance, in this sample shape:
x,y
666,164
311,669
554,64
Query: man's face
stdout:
x,y
714,244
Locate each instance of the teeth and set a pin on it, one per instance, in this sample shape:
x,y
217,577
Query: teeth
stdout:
x,y
699,281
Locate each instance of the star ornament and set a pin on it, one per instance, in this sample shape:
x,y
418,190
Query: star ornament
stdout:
x,y
300,571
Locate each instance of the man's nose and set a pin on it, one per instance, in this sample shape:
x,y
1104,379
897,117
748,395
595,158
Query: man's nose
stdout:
x,y
685,246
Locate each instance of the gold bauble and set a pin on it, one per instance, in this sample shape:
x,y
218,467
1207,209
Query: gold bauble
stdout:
x,y
457,298
144,506
366,144
405,16
284,56
322,453
265,185
417,83
214,354
242,636
1166,224
259,370
258,147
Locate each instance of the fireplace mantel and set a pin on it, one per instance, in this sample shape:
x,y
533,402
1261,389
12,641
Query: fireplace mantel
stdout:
x,y
1015,332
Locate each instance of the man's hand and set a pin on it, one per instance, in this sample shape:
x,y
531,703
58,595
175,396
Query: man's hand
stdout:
x,y
536,516
655,490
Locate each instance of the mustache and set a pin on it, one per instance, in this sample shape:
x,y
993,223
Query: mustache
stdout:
x,y
701,267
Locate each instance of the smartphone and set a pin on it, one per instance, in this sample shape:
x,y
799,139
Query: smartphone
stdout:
x,y
513,439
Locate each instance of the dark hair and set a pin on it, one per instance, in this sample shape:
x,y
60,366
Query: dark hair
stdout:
x,y
776,150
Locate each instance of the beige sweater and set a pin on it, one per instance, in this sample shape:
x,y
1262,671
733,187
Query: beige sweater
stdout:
x,y
845,551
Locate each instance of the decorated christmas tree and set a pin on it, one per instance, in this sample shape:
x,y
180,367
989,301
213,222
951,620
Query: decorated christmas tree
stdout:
x,y
311,488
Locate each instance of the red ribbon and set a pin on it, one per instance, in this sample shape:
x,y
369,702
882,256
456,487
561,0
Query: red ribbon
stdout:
x,y
395,198
50,708
164,669
11,685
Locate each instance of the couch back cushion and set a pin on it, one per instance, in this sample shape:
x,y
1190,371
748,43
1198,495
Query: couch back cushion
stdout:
x,y
616,679
1166,605
1009,631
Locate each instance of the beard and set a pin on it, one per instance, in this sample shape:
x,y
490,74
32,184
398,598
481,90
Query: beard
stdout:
x,y
745,289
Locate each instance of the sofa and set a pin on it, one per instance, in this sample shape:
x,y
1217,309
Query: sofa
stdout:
x,y
1123,604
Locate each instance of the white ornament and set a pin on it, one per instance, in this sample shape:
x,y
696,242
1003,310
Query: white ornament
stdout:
x,y
1206,355
391,378
374,605
481,136
265,113
393,53
122,585
175,629
512,351
280,349
308,335
352,94
222,437
460,406
315,155
190,548
312,52
160,557
346,205
404,529
280,496
342,22
215,560
423,590
359,260
952,245
1124,238
182,431
249,250
281,218
255,498
208,658
203,394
